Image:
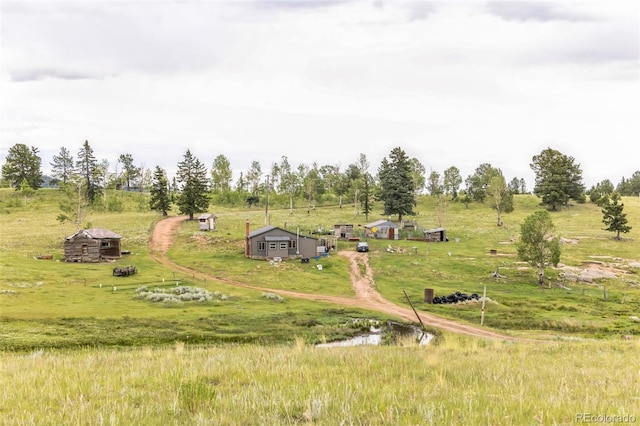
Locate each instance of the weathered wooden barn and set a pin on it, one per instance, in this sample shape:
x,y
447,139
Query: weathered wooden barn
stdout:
x,y
436,234
272,242
207,222
342,230
382,229
92,245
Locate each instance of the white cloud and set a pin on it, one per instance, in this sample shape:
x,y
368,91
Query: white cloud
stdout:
x,y
452,83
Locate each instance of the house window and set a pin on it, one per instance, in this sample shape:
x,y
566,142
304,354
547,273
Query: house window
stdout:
x,y
261,245
292,244
85,249
273,246
104,244
283,246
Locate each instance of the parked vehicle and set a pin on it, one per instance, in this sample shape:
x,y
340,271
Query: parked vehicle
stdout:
x,y
362,246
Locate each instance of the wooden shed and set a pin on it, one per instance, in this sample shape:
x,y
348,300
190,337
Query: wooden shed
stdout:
x,y
92,245
207,222
382,229
342,230
272,242
436,234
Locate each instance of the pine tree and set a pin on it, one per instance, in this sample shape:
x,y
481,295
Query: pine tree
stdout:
x,y
396,184
160,199
22,165
87,166
62,165
613,217
194,192
558,179
130,172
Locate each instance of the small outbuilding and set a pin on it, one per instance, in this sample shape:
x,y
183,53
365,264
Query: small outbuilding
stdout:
x,y
92,245
207,222
382,229
436,235
271,242
342,230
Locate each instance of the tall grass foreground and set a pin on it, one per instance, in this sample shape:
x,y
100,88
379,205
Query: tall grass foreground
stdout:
x,y
459,381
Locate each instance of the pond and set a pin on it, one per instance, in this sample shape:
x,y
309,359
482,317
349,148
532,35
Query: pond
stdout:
x,y
376,335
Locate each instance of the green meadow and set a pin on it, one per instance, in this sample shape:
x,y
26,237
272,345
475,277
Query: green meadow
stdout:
x,y
78,346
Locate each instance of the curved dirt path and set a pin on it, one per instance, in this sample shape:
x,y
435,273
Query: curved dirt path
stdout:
x,y
366,295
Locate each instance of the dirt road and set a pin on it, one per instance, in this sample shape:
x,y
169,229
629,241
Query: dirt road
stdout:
x,y
366,295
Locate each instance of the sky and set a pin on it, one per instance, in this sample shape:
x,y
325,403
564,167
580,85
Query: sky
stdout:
x,y
452,83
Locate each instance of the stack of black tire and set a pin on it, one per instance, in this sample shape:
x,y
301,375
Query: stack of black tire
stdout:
x,y
454,298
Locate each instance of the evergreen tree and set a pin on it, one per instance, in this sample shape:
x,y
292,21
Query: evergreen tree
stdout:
x,y
613,217
130,172
600,192
87,167
367,180
558,179
22,165
62,165
630,186
538,246
396,184
160,199
194,192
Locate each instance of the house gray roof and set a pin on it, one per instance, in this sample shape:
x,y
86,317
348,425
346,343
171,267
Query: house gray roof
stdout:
x,y
261,230
96,233
268,228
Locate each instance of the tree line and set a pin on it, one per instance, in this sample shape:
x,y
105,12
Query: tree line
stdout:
x,y
393,187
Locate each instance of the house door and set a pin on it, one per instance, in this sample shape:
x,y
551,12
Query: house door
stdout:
x,y
392,234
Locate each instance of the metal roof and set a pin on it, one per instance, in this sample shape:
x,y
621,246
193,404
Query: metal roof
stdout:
x,y
96,233
381,222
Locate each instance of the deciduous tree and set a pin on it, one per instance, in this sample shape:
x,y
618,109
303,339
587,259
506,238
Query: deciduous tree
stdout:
x,y
221,174
500,196
452,181
537,245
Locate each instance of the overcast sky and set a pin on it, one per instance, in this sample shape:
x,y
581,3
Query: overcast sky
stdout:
x,y
451,83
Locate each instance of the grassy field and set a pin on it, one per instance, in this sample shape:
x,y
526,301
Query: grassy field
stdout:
x,y
50,303
78,347
459,381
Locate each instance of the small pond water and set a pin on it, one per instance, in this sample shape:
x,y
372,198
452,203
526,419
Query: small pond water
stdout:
x,y
376,334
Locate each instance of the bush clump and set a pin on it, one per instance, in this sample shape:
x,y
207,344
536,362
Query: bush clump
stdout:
x,y
178,294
